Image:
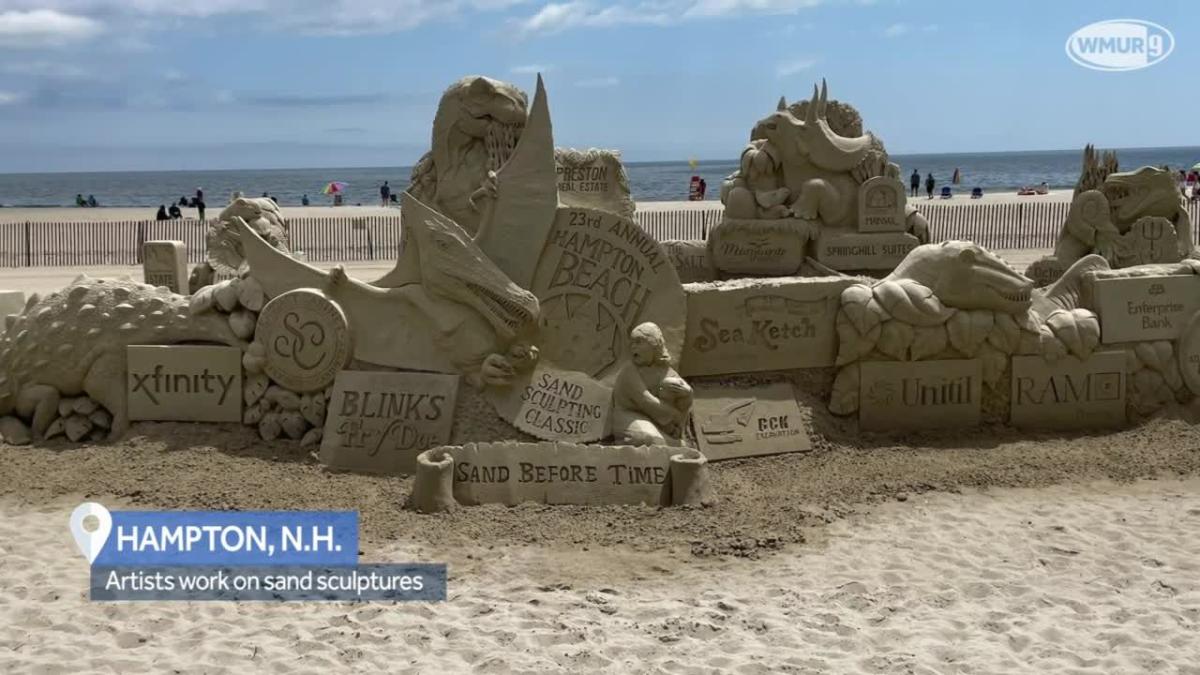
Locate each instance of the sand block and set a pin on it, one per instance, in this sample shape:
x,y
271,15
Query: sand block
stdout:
x,y
164,263
857,251
1133,309
11,302
912,395
1188,353
599,276
555,404
735,422
307,338
1069,393
881,205
187,383
747,325
690,258
1150,240
378,422
561,473
593,179
762,247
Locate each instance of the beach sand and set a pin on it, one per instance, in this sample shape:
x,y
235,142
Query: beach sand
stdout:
x,y
1101,578
989,552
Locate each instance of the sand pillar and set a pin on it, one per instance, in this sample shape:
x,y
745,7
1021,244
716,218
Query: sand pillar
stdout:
x,y
433,489
689,477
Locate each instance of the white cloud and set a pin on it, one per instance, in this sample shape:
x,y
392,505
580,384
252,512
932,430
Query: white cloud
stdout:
x,y
45,28
789,68
555,17
11,97
531,69
46,69
898,29
598,82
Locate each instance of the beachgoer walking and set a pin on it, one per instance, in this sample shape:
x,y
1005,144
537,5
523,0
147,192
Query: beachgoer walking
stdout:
x,y
385,193
199,196
200,209
703,188
929,183
914,183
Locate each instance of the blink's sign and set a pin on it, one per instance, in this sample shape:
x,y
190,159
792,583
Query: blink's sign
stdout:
x,y
1120,44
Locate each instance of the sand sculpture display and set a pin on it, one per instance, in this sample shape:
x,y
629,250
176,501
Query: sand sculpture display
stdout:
x,y
807,189
530,347
1129,218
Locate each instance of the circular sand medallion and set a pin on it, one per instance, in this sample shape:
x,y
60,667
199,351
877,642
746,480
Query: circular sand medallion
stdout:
x,y
307,338
1189,354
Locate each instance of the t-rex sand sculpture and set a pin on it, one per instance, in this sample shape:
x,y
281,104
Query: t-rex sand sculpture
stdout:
x,y
1099,219
73,342
478,123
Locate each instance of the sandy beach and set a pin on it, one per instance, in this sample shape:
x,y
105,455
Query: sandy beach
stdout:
x,y
990,552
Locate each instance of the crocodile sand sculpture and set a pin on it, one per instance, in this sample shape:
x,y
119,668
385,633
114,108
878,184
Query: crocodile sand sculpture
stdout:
x,y
73,342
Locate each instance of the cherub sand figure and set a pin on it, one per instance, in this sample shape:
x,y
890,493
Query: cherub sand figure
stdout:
x,y
650,400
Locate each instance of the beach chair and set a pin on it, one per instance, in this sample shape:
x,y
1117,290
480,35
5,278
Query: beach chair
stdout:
x,y
946,193
976,193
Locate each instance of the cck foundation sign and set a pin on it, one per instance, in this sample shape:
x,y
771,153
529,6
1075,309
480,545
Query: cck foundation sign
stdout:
x,y
1120,44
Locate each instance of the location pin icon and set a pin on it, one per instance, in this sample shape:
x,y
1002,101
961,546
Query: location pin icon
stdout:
x,y
90,543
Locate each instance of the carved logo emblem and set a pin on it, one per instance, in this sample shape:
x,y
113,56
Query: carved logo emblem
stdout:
x,y
307,339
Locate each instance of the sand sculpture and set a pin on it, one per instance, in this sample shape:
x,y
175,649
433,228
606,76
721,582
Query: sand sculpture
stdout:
x,y
571,333
1129,218
803,190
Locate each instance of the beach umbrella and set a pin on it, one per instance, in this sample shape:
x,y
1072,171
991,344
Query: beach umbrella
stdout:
x,y
693,163
1196,166
334,187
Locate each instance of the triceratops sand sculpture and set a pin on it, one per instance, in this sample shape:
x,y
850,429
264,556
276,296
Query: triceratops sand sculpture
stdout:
x,y
811,186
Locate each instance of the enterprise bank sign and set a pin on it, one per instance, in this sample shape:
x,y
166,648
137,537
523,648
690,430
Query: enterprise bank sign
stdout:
x,y
1120,44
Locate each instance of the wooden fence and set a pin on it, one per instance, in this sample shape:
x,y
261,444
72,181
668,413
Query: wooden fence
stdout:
x,y
1030,225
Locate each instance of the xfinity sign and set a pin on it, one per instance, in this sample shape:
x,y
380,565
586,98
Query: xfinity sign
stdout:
x,y
1120,44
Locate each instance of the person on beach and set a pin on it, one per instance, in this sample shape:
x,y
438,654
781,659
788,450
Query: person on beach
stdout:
x,y
914,183
199,196
80,201
174,212
385,193
92,201
929,183
703,188
162,213
304,200
183,201
200,209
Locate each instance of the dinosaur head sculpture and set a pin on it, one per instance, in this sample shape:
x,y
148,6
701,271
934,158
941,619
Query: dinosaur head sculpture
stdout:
x,y
448,264
964,275
485,110
1145,192
812,137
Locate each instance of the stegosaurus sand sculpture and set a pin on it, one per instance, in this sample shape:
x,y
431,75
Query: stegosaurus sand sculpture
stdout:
x,y
73,342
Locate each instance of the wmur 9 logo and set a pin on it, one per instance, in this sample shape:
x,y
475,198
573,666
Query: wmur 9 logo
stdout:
x,y
1120,44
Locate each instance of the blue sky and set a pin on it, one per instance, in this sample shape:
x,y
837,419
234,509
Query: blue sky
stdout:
x,y
194,84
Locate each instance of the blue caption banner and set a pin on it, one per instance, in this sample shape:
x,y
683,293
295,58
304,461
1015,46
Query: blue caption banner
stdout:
x,y
217,538
274,583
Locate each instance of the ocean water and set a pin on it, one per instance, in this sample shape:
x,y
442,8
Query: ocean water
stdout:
x,y
649,181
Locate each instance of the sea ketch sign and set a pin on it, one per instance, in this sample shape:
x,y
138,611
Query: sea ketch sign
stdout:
x,y
1120,44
